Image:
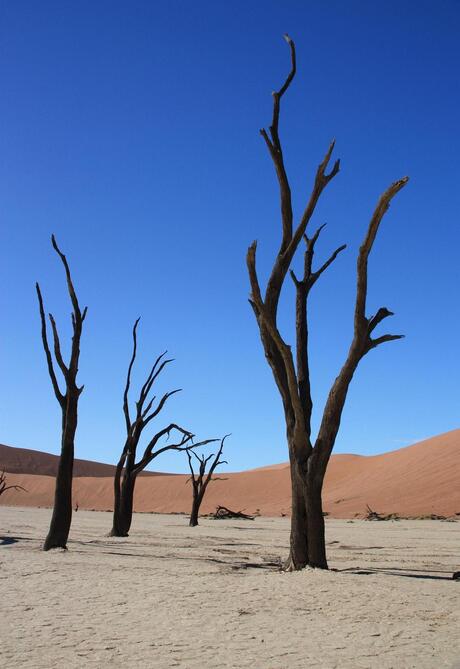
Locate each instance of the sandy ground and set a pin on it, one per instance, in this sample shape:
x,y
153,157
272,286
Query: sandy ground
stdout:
x,y
212,596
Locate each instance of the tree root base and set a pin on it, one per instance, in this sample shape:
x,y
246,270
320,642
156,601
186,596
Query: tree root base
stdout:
x,y
291,565
50,547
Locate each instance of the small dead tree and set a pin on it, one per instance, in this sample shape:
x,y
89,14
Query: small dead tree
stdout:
x,y
309,458
201,479
68,401
4,487
128,468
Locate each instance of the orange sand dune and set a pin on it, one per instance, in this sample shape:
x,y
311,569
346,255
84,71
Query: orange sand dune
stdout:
x,y
418,480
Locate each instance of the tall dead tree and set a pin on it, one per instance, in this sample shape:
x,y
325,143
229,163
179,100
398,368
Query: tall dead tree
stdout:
x,y
309,458
200,480
128,468
68,401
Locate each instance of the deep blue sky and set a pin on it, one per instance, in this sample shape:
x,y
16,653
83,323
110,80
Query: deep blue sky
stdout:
x,y
130,130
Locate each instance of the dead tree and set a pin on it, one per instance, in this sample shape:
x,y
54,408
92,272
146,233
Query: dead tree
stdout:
x,y
128,468
4,487
309,458
201,479
68,401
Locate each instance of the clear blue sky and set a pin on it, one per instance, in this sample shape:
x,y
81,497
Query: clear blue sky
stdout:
x,y
130,130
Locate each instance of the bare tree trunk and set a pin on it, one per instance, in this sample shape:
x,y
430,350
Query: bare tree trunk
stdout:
x,y
298,551
124,483
116,526
194,512
62,510
126,503
307,538
315,527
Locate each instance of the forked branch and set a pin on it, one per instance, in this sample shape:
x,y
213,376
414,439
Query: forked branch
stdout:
x,y
310,277
69,371
200,479
79,316
49,360
290,241
366,247
363,327
143,415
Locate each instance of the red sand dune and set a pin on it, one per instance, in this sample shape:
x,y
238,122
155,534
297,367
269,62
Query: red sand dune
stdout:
x,y
418,480
28,461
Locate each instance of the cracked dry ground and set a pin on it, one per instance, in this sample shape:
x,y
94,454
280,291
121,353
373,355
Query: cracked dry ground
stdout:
x,y
213,596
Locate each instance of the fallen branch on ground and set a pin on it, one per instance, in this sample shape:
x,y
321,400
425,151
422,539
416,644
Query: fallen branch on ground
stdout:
x,y
373,515
222,513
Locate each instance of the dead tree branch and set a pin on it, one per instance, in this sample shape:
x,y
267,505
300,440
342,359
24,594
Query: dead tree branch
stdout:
x,y
222,513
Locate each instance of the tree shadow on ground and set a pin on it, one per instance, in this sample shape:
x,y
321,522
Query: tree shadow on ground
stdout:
x,y
405,573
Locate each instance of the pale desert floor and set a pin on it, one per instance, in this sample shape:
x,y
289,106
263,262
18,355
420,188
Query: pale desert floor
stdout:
x,y
212,596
